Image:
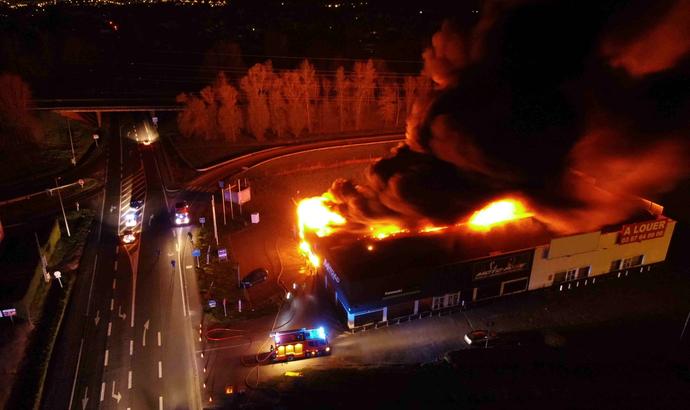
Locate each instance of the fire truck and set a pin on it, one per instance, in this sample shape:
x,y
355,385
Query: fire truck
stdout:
x,y
299,343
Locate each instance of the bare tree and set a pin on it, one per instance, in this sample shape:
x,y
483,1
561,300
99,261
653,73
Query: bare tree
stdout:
x,y
17,124
256,87
193,119
363,79
293,90
229,115
325,105
342,91
278,107
388,103
310,90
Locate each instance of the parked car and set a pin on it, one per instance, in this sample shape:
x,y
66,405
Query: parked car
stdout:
x,y
521,339
254,278
481,338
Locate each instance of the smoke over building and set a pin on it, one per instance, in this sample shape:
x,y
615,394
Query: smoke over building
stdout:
x,y
546,101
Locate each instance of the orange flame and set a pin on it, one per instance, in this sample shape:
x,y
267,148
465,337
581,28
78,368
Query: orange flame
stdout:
x,y
314,215
498,212
385,230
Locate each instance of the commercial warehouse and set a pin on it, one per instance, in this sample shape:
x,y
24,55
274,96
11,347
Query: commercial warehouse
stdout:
x,y
373,281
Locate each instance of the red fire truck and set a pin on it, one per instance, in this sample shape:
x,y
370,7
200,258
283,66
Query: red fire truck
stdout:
x,y
299,343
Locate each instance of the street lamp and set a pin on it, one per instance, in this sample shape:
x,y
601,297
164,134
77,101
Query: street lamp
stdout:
x,y
71,144
64,215
58,275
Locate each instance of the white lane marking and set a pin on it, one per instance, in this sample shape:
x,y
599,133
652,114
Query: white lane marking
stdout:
x,y
179,266
110,327
134,294
117,396
105,361
160,402
76,372
131,347
93,274
189,266
146,327
115,268
129,380
159,339
112,303
160,369
114,283
102,390
117,250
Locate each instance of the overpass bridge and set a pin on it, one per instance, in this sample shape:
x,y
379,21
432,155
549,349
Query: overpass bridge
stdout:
x,y
99,106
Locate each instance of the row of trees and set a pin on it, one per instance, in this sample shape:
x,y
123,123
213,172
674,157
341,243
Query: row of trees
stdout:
x,y
294,103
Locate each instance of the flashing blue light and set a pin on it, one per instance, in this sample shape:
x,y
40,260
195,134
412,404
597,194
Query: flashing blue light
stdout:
x,y
321,333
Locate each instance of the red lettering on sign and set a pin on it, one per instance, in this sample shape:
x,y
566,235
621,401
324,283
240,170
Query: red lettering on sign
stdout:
x,y
642,231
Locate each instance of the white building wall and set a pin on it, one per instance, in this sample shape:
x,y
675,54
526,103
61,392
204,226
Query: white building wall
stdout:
x,y
599,258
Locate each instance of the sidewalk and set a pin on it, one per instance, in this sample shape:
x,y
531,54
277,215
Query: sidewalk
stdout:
x,y
554,313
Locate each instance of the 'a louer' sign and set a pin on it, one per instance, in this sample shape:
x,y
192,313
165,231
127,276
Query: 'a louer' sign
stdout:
x,y
642,231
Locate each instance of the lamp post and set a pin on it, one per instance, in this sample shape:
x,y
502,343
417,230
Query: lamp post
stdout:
x,y
71,144
64,215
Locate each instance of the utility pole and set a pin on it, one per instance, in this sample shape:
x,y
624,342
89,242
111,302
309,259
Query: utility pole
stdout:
x,y
222,196
71,144
64,215
237,268
232,212
239,188
215,225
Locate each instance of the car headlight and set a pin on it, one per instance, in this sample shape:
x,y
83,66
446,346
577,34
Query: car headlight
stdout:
x,y
328,349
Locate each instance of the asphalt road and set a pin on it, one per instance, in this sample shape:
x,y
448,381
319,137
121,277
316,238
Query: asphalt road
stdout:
x,y
127,340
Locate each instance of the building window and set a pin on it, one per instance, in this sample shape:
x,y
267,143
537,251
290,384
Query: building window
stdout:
x,y
452,299
583,272
570,274
437,303
615,265
558,277
485,292
514,286
634,261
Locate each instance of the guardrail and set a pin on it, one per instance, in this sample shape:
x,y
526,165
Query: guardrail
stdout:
x,y
409,318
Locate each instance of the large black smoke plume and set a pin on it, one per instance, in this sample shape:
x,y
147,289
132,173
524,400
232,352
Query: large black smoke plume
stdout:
x,y
540,99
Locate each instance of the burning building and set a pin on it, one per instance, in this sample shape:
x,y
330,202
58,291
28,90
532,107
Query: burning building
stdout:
x,y
373,280
525,166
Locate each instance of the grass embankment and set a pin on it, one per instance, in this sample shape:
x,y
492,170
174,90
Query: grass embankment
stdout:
x,y
52,154
46,202
218,280
50,303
